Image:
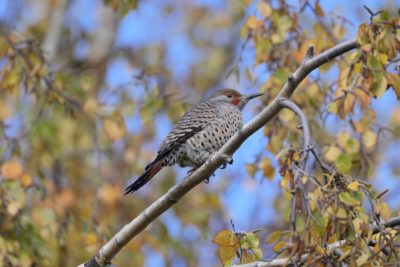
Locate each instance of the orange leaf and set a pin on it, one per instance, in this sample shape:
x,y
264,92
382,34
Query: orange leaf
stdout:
x,y
25,180
226,238
11,170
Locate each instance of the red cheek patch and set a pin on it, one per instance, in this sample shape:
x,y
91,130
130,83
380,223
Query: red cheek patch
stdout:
x,y
235,101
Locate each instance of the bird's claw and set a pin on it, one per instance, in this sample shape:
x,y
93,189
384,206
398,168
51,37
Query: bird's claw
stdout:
x,y
229,161
190,171
207,180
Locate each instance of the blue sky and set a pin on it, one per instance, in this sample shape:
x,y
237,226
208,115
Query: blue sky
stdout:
x,y
243,197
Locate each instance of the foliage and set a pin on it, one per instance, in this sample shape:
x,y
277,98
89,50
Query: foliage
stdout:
x,y
71,136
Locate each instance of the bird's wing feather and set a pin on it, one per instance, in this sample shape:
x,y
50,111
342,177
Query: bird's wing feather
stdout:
x,y
195,120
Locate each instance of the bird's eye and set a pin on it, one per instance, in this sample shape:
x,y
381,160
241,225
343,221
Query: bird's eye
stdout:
x,y
229,95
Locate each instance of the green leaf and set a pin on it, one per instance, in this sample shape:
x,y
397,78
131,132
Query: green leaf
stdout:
x,y
253,240
343,163
373,63
319,223
351,198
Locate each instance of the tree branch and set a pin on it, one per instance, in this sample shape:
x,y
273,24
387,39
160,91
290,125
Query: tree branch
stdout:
x,y
392,222
112,247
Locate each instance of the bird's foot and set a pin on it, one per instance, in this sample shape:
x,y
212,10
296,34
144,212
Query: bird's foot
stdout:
x,y
228,160
191,171
207,180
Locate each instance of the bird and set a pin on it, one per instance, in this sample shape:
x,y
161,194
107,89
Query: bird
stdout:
x,y
200,132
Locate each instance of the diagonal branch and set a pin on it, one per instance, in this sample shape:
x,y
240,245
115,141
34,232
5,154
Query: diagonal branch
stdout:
x,y
129,231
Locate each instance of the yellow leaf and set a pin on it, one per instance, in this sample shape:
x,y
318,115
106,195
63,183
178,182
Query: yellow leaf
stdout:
x,y
395,119
5,111
226,255
274,236
348,103
342,138
275,38
318,9
113,130
383,210
353,186
247,2
25,180
90,105
253,239
394,81
66,198
109,194
363,97
333,107
226,238
278,246
11,170
90,239
379,87
359,225
258,253
296,157
369,139
338,31
265,9
247,257
332,153
13,208
251,169
267,168
362,259
251,22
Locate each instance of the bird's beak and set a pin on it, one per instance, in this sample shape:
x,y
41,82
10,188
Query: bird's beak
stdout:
x,y
250,96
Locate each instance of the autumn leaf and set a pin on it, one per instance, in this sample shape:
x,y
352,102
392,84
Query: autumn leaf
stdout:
x,y
369,139
11,170
90,239
13,208
394,81
25,180
247,257
274,236
109,193
264,9
383,210
113,130
251,169
267,168
332,153
353,186
226,255
251,22
226,238
360,225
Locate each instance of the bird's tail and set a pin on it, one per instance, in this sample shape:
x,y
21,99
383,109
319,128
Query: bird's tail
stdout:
x,y
150,171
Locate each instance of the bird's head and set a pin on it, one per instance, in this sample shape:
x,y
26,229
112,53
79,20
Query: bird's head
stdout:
x,y
234,97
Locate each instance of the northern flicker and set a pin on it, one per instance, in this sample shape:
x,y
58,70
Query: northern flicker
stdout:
x,y
202,131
